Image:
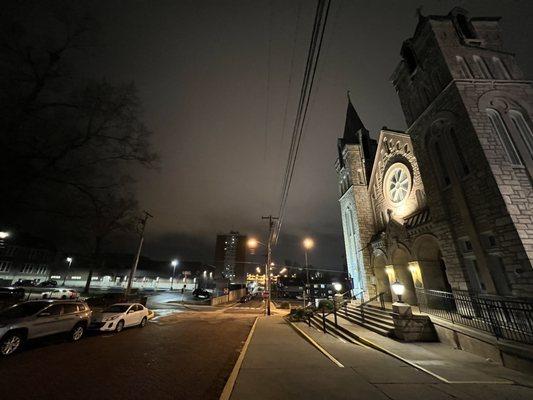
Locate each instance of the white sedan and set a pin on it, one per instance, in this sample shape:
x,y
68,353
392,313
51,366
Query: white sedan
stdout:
x,y
121,315
63,294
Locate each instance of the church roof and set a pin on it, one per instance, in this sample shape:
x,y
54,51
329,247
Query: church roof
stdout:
x,y
356,133
352,126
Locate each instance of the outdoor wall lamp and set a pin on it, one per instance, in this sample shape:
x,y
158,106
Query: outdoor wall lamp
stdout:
x,y
398,289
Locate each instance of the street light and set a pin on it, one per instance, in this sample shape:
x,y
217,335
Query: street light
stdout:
x,y
398,289
69,261
4,235
174,264
252,243
308,244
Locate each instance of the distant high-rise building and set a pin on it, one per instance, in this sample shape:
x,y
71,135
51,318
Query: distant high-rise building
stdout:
x,y
230,256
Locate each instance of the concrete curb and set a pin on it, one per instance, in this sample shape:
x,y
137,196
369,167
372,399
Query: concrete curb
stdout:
x,y
230,383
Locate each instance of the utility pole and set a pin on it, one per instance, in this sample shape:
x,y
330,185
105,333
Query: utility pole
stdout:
x,y
138,255
271,220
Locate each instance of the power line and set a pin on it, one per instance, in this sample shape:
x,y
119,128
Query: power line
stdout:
x,y
313,55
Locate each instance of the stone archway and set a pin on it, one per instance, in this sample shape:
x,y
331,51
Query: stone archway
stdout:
x,y
400,261
382,278
431,263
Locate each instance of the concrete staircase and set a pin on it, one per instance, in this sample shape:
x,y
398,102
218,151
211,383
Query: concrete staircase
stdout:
x,y
375,319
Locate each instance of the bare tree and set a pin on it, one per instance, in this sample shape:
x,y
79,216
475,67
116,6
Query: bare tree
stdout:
x,y
67,144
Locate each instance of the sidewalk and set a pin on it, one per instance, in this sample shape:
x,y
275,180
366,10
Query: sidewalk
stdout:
x,y
281,364
441,359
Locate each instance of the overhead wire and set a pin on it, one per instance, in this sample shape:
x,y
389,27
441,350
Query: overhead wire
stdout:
x,y
313,56
303,93
289,85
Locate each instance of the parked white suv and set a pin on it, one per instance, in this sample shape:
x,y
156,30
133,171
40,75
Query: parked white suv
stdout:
x,y
33,319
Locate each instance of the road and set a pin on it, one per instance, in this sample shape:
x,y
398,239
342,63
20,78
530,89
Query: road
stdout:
x,y
181,355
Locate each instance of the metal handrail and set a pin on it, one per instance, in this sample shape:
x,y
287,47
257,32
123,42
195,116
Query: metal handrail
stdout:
x,y
358,293
334,312
373,298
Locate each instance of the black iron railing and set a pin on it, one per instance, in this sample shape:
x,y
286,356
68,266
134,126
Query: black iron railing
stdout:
x,y
505,318
379,296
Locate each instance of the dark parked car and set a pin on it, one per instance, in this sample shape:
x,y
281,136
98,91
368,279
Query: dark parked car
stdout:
x,y
11,293
201,294
24,282
48,283
246,298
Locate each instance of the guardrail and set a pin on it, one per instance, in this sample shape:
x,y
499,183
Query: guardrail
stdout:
x,y
505,318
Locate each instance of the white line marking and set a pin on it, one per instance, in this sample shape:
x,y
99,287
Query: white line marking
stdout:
x,y
230,383
320,348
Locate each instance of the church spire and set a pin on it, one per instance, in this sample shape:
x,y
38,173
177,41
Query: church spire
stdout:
x,y
353,124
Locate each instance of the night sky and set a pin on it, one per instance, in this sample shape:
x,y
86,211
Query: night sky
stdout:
x,y
214,79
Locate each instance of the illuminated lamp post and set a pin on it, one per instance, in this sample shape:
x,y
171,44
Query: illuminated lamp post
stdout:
x,y
398,289
174,264
308,244
252,245
69,261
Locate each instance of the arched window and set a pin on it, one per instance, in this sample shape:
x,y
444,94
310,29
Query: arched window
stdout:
x,y
482,67
464,170
522,127
501,68
352,227
465,27
445,177
463,68
499,128
348,222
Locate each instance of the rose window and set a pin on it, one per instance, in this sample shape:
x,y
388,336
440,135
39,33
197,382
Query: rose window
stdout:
x,y
397,183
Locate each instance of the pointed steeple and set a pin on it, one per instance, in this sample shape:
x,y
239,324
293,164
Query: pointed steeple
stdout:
x,y
356,133
353,125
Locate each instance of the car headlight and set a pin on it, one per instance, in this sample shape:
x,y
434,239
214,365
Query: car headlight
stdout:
x,y
111,318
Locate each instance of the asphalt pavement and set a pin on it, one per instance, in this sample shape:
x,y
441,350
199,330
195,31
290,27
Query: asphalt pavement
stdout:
x,y
179,355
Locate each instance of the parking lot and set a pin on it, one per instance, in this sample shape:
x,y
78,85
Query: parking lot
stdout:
x,y
181,355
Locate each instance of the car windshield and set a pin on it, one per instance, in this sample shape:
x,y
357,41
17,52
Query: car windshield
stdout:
x,y
117,308
23,310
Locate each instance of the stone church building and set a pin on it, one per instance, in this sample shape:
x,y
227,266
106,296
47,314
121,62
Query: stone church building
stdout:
x,y
448,204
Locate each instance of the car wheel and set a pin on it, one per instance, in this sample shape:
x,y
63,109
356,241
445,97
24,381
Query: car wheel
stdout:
x,y
77,332
143,322
10,343
45,296
63,297
119,326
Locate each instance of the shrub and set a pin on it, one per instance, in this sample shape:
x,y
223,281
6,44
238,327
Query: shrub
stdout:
x,y
325,306
301,314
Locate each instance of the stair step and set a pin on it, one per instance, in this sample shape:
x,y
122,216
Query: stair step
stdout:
x,y
377,307
370,315
382,329
386,323
372,310
373,328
